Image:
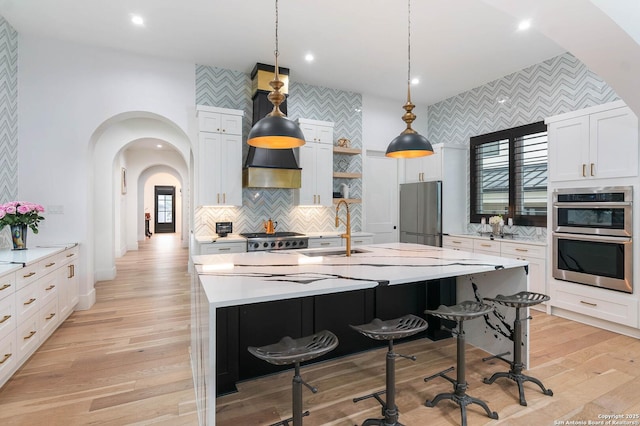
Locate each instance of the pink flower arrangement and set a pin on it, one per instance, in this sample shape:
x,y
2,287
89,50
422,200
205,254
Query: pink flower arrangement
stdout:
x,y
21,213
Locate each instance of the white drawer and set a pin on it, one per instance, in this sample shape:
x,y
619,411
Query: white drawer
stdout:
x,y
28,274
214,248
8,356
358,241
69,255
465,244
7,285
49,318
27,336
510,249
48,288
7,316
27,302
588,301
325,242
487,246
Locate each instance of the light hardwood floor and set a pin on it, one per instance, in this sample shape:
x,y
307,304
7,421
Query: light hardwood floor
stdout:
x,y
125,361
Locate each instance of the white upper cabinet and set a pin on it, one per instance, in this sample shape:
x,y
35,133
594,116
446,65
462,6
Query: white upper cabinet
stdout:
x,y
424,169
315,158
595,143
219,157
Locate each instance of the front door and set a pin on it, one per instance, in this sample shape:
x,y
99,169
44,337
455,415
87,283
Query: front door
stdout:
x,y
165,208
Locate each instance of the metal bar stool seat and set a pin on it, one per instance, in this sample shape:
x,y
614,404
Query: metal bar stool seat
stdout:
x,y
459,313
524,299
294,351
390,330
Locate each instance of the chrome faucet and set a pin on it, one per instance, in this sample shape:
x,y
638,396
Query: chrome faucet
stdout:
x,y
347,234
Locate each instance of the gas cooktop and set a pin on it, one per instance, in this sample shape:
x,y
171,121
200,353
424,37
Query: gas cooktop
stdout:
x,y
261,241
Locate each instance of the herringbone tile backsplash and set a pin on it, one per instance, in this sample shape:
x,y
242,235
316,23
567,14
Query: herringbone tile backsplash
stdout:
x,y
230,89
8,118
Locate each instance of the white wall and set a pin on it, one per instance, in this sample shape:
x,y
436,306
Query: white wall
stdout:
x,y
68,97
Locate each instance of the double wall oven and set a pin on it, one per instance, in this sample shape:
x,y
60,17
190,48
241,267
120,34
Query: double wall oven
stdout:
x,y
592,237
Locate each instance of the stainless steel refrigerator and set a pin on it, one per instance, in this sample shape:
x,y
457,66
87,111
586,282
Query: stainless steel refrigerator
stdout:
x,y
421,213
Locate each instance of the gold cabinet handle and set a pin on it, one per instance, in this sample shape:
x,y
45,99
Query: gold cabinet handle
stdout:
x,y
6,357
5,318
224,198
5,286
51,287
224,249
588,303
70,255
523,250
31,334
30,274
319,199
30,301
592,172
49,264
51,315
325,244
456,242
72,271
584,170
485,245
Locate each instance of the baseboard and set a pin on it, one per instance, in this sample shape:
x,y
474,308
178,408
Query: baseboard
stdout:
x,y
86,301
105,274
596,322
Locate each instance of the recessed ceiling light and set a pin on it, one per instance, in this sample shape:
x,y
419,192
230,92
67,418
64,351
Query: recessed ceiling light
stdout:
x,y
137,20
159,145
308,57
524,25
415,80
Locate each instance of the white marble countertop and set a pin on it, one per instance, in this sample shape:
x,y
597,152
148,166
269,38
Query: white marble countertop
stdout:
x,y
540,241
7,268
33,254
242,278
330,234
230,238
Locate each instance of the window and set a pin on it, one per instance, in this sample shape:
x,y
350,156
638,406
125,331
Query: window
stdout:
x,y
509,175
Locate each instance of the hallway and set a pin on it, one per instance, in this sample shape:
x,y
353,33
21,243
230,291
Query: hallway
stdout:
x,y
124,361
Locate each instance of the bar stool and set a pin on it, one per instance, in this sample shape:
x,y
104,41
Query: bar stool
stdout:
x,y
390,330
295,351
524,299
460,313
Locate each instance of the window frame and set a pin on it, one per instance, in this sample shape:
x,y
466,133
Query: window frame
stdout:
x,y
510,134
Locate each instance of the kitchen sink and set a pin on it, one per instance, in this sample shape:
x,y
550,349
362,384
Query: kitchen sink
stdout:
x,y
331,252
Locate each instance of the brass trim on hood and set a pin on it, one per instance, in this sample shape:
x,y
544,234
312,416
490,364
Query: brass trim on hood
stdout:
x,y
262,177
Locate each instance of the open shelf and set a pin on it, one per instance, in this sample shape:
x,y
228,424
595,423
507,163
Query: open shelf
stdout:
x,y
348,200
346,151
344,175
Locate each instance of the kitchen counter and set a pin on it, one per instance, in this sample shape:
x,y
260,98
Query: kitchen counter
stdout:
x,y
203,239
241,279
7,268
33,254
541,241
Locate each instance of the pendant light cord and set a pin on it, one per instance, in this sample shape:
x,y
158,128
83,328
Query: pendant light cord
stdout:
x,y
409,42
276,52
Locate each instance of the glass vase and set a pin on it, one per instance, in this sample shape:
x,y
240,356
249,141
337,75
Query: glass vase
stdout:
x,y
19,236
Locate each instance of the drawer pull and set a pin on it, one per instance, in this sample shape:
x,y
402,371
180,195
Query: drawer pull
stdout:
x,y
51,315
30,274
49,264
5,358
5,286
30,301
584,170
31,334
325,244
5,318
51,287
485,245
588,303
224,249
70,255
524,250
456,242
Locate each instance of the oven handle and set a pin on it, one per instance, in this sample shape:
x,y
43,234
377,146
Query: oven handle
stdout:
x,y
581,237
593,205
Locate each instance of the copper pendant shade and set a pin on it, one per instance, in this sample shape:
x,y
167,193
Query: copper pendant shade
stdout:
x,y
409,144
276,131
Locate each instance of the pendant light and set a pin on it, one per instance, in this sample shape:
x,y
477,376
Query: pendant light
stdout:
x,y
276,131
409,144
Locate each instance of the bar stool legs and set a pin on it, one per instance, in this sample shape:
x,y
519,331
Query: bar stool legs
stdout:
x,y
460,313
389,330
518,301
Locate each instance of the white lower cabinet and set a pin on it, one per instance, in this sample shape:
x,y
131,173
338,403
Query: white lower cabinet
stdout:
x,y
34,301
359,240
457,243
221,248
320,242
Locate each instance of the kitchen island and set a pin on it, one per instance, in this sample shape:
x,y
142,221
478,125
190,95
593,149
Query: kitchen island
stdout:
x,y
316,279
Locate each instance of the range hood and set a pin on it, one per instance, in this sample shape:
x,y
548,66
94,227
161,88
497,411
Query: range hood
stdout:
x,y
269,168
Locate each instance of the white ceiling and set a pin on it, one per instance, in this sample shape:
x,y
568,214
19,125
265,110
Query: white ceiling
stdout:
x,y
359,45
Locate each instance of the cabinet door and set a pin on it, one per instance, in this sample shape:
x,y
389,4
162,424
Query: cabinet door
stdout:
x,y
230,165
569,149
208,170
231,124
413,169
325,135
613,144
306,195
324,174
209,122
432,165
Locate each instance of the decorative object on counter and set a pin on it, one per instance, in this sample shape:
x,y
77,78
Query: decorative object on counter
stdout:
x,y
276,131
270,226
224,228
344,143
19,215
344,188
496,223
410,144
